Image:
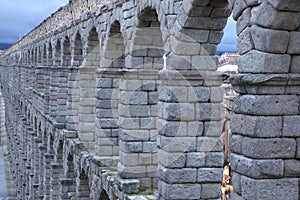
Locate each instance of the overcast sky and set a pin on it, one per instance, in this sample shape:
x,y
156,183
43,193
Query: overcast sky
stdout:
x,y
228,42
18,17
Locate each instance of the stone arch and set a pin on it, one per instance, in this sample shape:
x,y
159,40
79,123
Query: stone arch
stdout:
x,y
103,195
50,54
93,49
38,55
56,169
59,151
28,115
57,49
62,81
77,51
112,67
45,137
139,100
41,54
22,61
68,183
73,87
263,56
32,57
113,54
50,143
57,53
35,124
82,183
28,57
203,23
87,85
40,135
190,88
66,61
69,169
44,55
48,63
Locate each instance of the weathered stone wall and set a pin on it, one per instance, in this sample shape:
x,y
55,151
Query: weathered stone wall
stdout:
x,y
109,100
265,126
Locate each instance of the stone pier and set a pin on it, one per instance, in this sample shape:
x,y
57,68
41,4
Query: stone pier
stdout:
x,y
121,100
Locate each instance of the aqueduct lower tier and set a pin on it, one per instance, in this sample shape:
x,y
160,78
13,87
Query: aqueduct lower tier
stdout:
x,y
121,99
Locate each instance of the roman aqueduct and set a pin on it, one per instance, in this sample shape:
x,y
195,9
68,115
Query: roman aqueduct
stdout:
x,y
121,100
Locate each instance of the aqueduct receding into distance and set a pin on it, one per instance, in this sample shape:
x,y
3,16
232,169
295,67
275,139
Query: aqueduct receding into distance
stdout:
x,y
121,100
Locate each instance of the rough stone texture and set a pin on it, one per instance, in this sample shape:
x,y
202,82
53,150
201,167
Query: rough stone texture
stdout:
x,y
266,15
295,67
298,148
265,140
256,61
244,42
269,189
239,7
294,43
288,5
291,126
253,126
209,175
274,41
257,168
291,167
262,105
122,97
187,191
269,148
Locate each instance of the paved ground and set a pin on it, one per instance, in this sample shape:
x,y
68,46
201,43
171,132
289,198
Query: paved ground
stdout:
x,y
3,185
7,188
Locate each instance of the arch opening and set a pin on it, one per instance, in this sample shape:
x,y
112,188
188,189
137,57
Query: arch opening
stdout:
x,y
111,70
66,61
87,85
139,100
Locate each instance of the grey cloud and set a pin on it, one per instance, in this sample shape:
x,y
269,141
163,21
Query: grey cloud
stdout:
x,y
18,17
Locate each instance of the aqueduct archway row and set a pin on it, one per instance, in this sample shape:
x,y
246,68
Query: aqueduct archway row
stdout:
x,y
112,99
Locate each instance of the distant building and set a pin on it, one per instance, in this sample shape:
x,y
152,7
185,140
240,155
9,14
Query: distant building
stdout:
x,y
227,62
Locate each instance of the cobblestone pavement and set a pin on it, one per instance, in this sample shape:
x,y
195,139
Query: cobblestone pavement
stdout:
x,y
3,185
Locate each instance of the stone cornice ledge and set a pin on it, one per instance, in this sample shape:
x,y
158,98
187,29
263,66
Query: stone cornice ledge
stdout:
x,y
266,83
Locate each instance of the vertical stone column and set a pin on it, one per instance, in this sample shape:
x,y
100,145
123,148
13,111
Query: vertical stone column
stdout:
x,y
42,151
39,74
73,100
54,81
82,187
56,170
138,112
62,95
46,86
37,167
30,159
68,182
190,150
27,82
87,85
47,175
265,124
107,129
31,82
65,189
56,173
53,94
